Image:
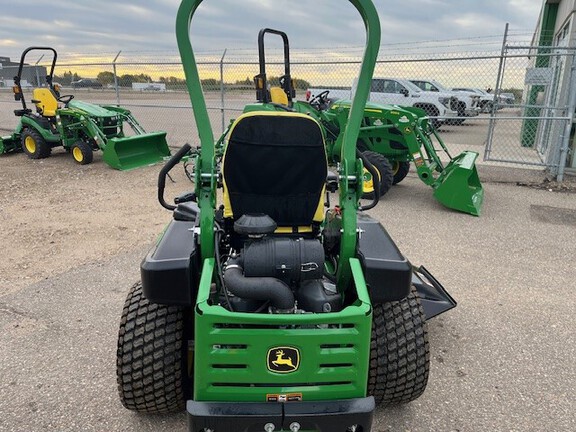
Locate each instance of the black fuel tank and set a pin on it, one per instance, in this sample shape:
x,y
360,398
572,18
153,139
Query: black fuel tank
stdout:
x,y
387,272
170,270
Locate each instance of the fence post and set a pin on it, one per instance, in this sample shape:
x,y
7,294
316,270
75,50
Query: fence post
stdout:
x,y
116,79
565,144
222,88
38,83
499,79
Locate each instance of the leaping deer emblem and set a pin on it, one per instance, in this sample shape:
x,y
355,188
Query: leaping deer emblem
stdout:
x,y
280,360
284,362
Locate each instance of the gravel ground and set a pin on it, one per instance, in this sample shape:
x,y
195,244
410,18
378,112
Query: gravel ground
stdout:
x,y
73,237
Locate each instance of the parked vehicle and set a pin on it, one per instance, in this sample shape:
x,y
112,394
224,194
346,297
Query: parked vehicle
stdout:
x,y
79,127
440,107
263,308
86,83
486,101
390,138
468,103
507,98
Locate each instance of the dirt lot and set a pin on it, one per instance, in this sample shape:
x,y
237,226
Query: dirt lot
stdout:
x,y
56,215
73,235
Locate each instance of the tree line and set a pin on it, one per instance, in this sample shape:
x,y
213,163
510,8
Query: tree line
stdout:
x,y
107,78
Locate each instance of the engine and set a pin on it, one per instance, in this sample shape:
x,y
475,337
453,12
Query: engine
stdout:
x,y
277,274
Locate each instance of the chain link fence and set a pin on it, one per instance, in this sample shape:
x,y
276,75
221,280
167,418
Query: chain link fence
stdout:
x,y
516,122
539,131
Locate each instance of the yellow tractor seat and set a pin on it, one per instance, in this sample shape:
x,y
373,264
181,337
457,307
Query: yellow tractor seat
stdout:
x,y
278,95
45,101
275,164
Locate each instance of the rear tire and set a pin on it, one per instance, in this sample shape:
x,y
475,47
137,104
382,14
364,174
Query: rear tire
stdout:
x,y
384,169
82,153
151,356
399,351
400,171
34,145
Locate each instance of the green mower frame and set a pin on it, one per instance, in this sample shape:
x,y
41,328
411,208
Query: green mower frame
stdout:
x,y
79,127
271,312
390,136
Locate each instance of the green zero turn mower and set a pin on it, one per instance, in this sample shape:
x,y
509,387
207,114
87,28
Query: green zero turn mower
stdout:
x,y
275,310
390,136
79,127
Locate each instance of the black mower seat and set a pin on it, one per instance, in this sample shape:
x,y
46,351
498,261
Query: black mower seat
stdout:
x,y
275,163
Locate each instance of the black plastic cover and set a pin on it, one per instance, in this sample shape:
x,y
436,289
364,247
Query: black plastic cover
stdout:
x,y
322,416
387,272
170,270
186,211
290,260
255,224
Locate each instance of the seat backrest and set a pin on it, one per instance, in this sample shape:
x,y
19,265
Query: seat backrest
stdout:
x,y
275,163
278,95
45,101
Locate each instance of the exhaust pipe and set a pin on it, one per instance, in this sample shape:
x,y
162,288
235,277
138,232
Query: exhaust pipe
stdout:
x,y
257,288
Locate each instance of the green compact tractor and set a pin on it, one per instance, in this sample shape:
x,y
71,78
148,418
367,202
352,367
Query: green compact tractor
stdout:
x,y
275,310
390,137
79,127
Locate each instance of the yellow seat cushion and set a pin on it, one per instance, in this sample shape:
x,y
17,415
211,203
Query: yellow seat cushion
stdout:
x,y
279,96
46,101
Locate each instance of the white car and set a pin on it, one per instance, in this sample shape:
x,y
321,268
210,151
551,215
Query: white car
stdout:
x,y
440,106
486,99
469,103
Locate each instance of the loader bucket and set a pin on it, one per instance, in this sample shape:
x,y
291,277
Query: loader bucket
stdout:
x,y
458,186
136,151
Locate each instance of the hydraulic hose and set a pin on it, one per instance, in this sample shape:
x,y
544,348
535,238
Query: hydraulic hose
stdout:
x,y
164,172
257,288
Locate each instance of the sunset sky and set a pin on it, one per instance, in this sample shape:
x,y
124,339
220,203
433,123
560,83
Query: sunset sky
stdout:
x,y
90,27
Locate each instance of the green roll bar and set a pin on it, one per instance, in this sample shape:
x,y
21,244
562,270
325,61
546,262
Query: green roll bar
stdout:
x,y
350,175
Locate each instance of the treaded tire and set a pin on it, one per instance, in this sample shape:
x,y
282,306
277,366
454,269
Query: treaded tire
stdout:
x,y
82,153
400,171
399,351
384,168
34,145
151,355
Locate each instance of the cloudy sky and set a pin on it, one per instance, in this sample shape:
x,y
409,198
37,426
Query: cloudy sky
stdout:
x,y
93,27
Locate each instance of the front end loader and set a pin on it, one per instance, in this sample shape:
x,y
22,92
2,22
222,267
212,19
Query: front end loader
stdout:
x,y
403,135
390,136
273,310
79,127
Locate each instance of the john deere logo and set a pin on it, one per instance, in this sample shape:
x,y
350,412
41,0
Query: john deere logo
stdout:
x,y
283,359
